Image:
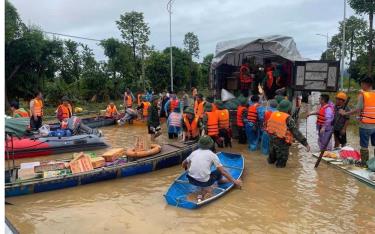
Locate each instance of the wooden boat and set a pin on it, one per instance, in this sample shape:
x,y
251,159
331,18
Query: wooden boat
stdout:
x,y
181,191
359,173
42,146
171,154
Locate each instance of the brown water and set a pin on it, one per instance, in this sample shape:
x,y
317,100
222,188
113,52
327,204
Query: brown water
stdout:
x,y
297,199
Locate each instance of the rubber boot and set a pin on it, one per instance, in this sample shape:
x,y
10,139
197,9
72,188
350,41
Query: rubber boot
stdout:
x,y
280,163
364,156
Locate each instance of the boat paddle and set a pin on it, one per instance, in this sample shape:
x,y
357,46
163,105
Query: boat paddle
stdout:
x,y
329,138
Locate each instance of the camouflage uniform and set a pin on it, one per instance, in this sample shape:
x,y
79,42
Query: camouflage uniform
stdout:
x,y
279,149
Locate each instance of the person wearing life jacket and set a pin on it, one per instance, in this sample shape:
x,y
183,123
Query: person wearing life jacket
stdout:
x,y
153,120
128,99
36,111
366,110
264,116
282,129
191,125
194,93
64,110
199,106
211,123
325,115
18,112
171,104
211,100
174,123
111,111
245,78
225,131
241,112
252,123
340,123
143,108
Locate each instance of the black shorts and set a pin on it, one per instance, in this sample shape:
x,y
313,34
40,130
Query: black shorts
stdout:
x,y
341,138
214,176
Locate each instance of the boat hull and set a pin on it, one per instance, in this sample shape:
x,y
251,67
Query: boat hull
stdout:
x,y
181,191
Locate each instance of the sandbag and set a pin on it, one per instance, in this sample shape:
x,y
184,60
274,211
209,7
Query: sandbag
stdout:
x,y
371,164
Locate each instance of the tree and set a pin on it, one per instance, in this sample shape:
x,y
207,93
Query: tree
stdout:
x,y
205,67
134,31
355,28
191,44
13,24
366,7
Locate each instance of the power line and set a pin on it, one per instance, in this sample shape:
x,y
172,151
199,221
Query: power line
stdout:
x,y
66,35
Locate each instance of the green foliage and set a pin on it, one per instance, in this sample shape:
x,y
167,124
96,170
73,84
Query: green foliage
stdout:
x,y
191,44
205,70
134,30
13,24
362,6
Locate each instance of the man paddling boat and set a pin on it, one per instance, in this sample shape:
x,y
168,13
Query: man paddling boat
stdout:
x,y
199,162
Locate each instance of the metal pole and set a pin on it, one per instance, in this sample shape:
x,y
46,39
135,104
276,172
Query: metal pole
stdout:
x,y
342,66
327,47
169,7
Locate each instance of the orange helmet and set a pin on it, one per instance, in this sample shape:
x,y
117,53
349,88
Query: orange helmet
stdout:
x,y
342,95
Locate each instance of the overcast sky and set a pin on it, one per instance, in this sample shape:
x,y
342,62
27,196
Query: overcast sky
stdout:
x,y
211,20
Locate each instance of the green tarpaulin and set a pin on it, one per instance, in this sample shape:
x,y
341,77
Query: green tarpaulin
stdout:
x,y
16,126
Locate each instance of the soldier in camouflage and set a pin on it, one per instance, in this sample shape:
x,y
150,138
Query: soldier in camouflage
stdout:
x,y
281,136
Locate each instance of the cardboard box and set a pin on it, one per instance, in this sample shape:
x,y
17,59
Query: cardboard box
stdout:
x,y
113,154
49,174
52,166
26,173
81,163
97,162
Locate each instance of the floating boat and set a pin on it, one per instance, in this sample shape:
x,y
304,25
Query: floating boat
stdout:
x,y
92,122
170,155
359,173
33,147
9,228
183,194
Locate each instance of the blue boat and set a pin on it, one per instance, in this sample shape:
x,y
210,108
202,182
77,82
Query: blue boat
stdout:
x,y
183,194
171,154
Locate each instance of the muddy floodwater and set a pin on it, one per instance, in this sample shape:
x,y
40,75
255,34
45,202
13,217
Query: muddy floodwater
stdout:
x,y
296,199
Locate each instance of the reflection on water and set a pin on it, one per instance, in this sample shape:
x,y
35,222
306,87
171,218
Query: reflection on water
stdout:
x,y
297,199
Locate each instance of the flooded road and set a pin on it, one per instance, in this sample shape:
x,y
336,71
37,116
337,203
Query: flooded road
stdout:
x,y
296,199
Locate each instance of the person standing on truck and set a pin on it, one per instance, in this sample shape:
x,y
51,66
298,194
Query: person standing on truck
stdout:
x,y
282,129
245,78
366,110
340,123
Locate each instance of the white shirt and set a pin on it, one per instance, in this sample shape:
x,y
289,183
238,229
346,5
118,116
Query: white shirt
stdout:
x,y
200,164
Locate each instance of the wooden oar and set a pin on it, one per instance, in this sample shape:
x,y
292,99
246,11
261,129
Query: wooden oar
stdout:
x,y
329,139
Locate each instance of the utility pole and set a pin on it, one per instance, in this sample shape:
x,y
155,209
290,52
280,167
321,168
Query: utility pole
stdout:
x,y
342,66
351,57
169,8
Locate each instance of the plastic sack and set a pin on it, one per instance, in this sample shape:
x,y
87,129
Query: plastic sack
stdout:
x,y
371,164
44,130
226,95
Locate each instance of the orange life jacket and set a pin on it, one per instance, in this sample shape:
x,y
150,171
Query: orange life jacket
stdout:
x,y
214,107
276,126
173,104
199,109
192,128
223,118
322,115
110,112
252,114
38,107
244,78
146,105
175,119
267,116
129,101
240,110
270,79
367,115
66,111
212,123
22,113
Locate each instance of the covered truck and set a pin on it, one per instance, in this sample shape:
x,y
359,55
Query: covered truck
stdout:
x,y
296,74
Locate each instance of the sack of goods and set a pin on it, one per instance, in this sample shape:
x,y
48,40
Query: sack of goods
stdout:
x,y
60,133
